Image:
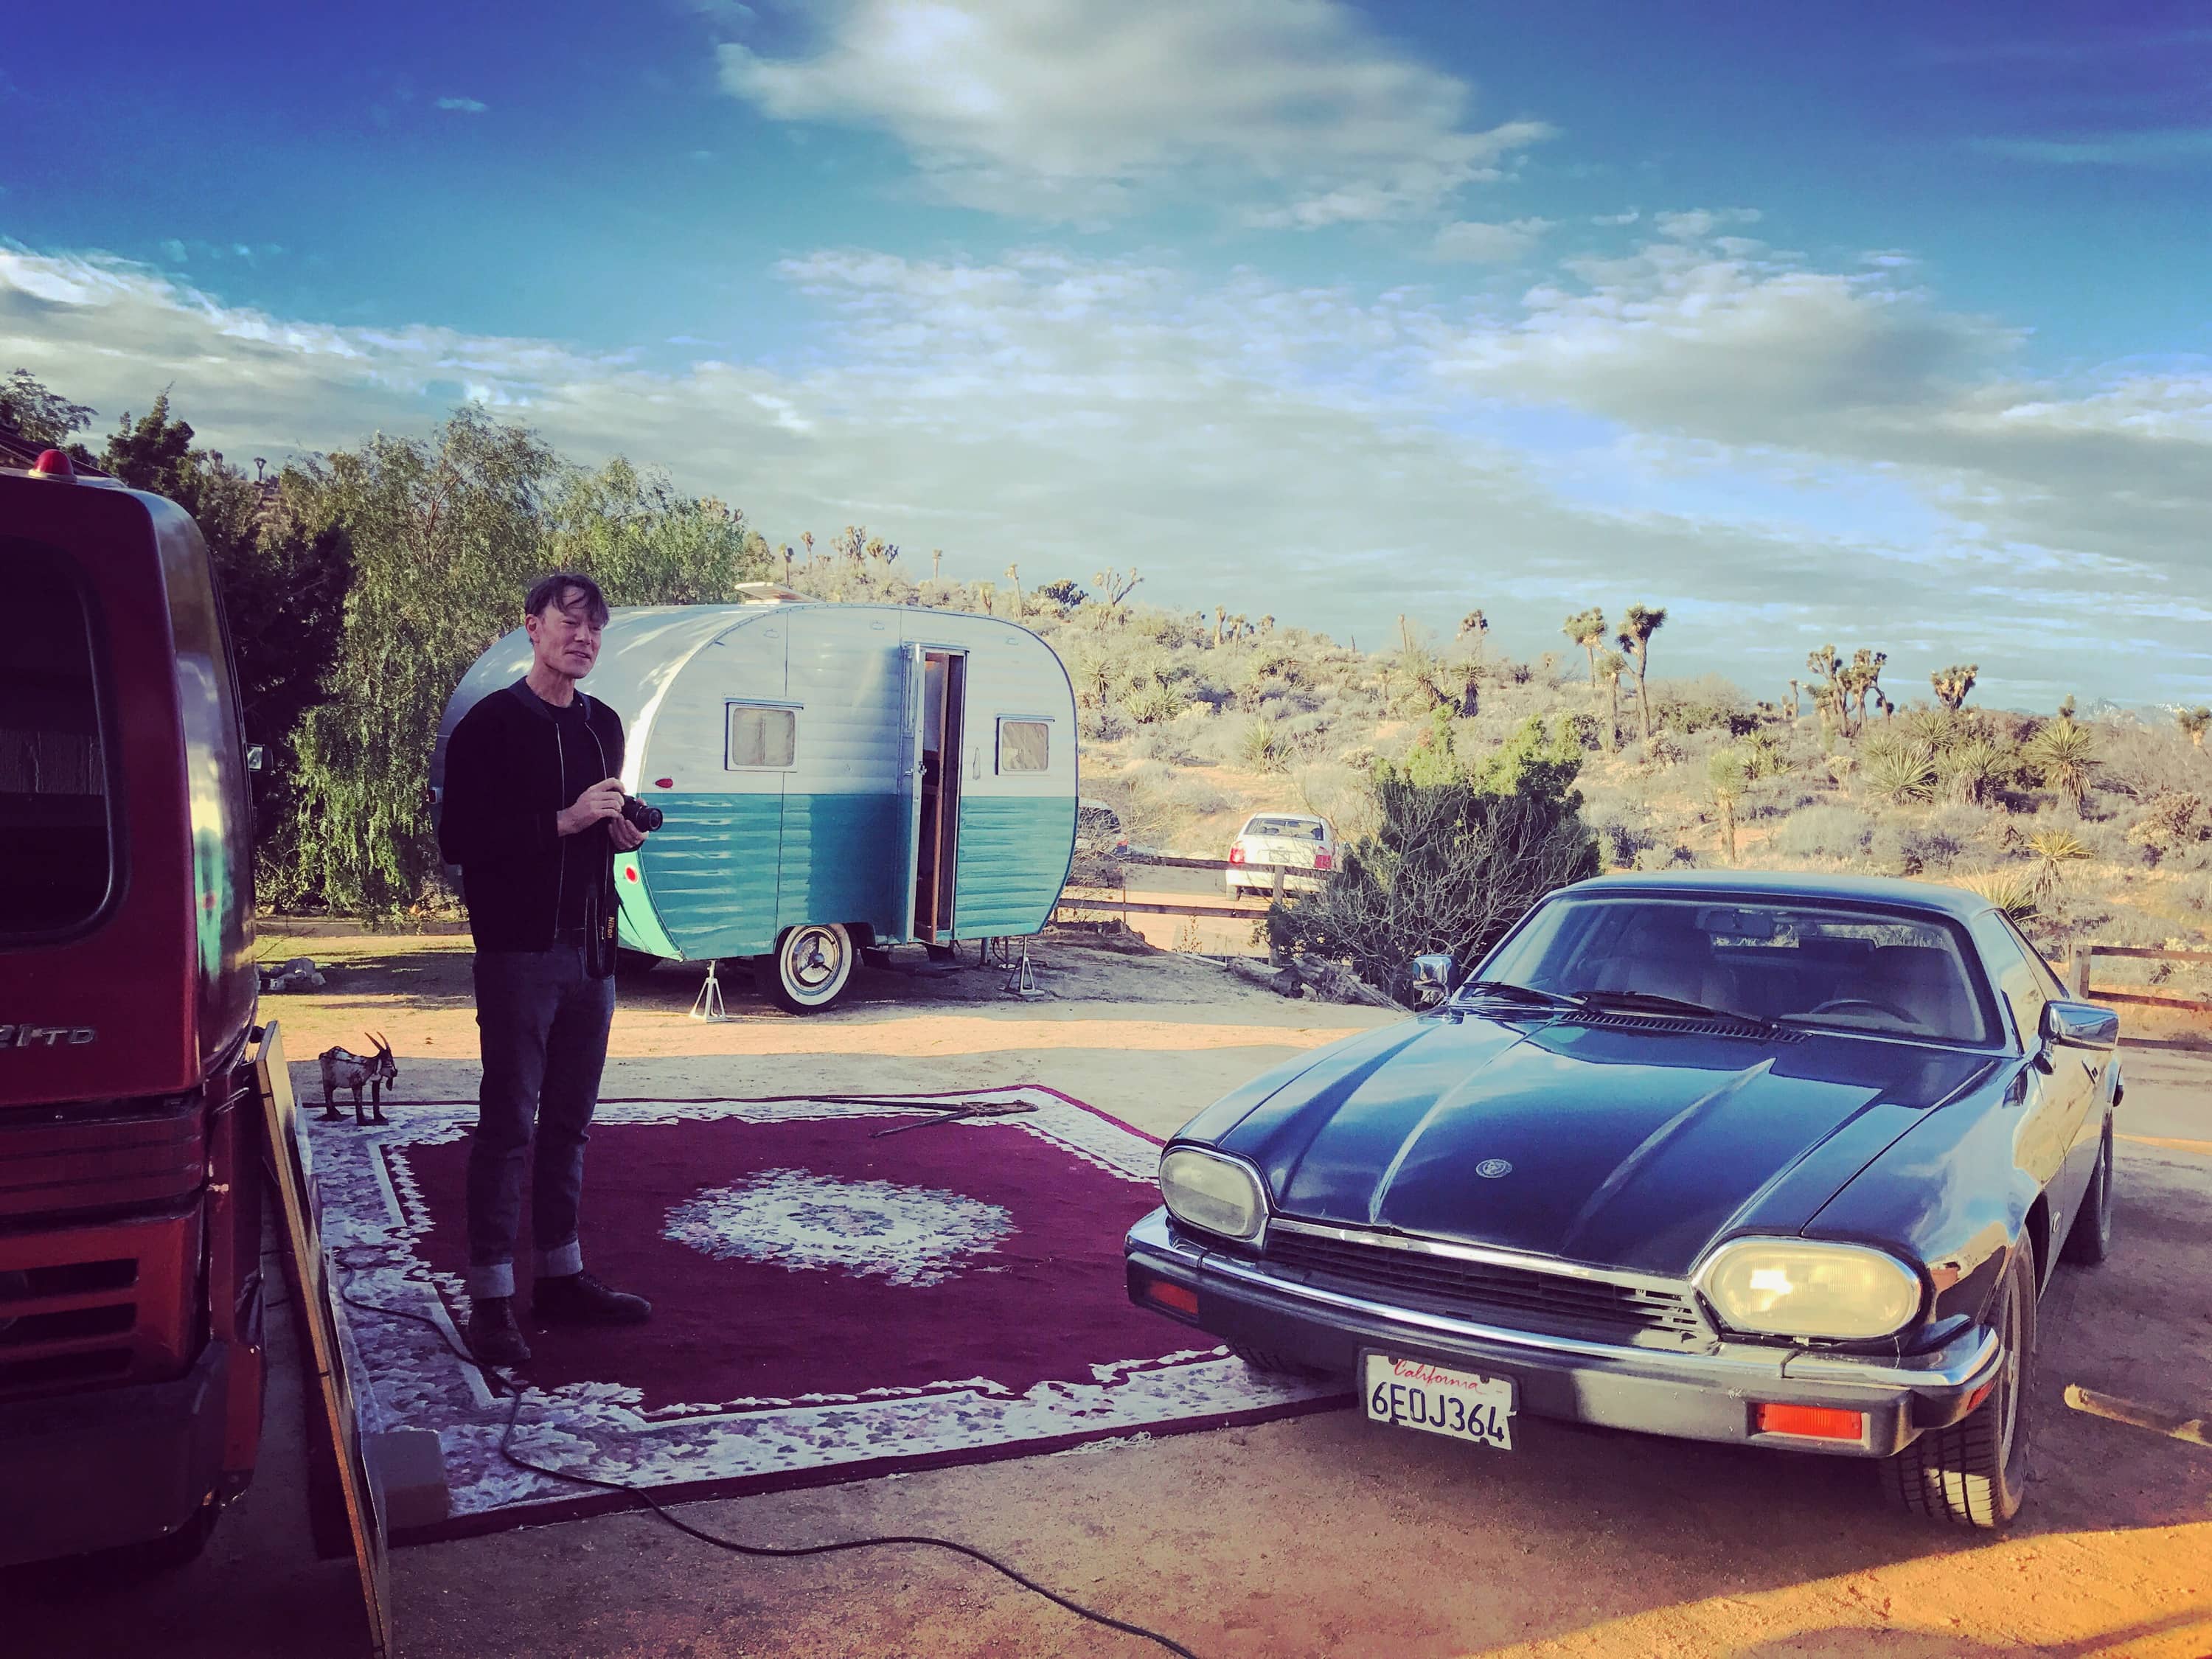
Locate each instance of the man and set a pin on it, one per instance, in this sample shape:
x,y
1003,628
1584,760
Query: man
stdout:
x,y
533,815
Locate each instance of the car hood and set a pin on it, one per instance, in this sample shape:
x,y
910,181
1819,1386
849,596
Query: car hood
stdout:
x,y
1633,1148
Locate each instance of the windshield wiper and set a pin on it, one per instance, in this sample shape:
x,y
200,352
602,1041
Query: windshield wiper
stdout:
x,y
1652,1002
1475,988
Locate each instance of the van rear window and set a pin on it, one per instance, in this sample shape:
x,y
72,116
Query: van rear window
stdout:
x,y
54,806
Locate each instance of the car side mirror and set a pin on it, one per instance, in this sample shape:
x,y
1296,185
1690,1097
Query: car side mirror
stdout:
x,y
1433,977
2081,1025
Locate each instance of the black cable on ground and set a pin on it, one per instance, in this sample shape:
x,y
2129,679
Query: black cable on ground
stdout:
x,y
499,1384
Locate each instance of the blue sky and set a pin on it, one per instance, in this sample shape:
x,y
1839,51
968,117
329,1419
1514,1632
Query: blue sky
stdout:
x,y
1882,325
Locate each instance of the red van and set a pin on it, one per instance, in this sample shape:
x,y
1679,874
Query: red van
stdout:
x,y
131,1161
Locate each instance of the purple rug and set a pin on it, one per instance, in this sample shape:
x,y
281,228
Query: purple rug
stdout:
x,y
830,1302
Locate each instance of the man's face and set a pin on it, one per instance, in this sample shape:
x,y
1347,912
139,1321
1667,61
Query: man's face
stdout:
x,y
563,637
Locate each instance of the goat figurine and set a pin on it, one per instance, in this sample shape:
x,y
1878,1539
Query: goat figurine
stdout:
x,y
345,1070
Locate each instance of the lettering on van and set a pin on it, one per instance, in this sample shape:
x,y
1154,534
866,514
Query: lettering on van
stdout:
x,y
46,1037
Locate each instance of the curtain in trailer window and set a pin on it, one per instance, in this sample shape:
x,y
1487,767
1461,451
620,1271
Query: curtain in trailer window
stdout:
x,y
1024,746
760,736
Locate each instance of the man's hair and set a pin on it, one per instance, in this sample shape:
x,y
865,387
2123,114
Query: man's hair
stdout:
x,y
564,588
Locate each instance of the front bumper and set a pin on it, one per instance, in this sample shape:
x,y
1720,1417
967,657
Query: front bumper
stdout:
x,y
1709,1395
108,1467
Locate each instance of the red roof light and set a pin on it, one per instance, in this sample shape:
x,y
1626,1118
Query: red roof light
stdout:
x,y
53,464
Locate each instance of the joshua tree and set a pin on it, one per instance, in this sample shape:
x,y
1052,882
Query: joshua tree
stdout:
x,y
1953,683
1220,621
1610,667
1476,624
1728,776
1266,626
1796,691
1636,628
2194,722
1114,585
1587,629
1014,575
1863,678
936,563
1827,686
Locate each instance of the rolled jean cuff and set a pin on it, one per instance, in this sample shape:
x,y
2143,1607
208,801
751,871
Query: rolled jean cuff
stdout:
x,y
560,1263
490,1278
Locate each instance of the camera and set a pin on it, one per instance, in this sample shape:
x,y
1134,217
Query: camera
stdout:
x,y
640,817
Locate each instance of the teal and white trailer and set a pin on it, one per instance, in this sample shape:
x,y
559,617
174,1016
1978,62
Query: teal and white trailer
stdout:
x,y
834,777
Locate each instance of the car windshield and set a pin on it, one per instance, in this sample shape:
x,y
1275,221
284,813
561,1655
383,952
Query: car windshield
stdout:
x,y
1289,828
1795,963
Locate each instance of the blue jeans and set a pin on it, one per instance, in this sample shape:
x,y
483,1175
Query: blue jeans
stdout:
x,y
541,1027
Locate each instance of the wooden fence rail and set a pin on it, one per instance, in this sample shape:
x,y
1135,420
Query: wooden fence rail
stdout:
x,y
2079,973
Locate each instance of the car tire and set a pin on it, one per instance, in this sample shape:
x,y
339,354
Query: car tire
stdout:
x,y
1271,1362
810,968
1974,1473
2089,1241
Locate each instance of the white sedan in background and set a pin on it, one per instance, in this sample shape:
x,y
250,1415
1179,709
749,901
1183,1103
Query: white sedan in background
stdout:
x,y
1291,838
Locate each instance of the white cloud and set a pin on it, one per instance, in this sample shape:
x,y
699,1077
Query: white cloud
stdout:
x,y
462,106
1064,108
1478,243
1348,457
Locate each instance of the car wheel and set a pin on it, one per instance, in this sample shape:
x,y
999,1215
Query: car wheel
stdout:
x,y
1974,1473
808,968
2089,1241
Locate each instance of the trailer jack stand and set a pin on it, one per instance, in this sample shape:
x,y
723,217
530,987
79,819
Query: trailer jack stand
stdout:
x,y
708,1006
1021,977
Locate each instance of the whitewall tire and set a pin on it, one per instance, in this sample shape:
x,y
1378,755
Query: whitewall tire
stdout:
x,y
810,968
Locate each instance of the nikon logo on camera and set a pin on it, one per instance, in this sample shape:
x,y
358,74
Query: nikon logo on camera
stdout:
x,y
44,1036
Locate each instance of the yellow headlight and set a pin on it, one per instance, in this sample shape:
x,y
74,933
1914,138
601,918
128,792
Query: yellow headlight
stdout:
x,y
1797,1287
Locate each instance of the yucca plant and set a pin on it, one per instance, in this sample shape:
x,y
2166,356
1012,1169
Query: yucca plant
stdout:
x,y
1938,728
2054,849
1902,773
2011,889
1729,776
2065,755
1976,769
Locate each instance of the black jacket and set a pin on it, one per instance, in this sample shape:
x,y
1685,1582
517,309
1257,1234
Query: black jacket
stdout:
x,y
503,788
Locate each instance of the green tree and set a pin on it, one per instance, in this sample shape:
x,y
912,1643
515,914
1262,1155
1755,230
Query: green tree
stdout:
x,y
1463,849
42,417
1636,628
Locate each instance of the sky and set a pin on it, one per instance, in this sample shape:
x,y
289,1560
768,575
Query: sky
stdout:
x,y
1881,325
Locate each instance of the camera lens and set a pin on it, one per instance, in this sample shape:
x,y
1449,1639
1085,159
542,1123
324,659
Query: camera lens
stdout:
x,y
642,816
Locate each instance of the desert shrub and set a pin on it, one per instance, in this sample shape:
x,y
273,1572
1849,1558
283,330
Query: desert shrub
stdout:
x,y
1155,703
1975,772
1843,833
1264,748
2175,819
1170,744
2011,887
1100,725
1461,850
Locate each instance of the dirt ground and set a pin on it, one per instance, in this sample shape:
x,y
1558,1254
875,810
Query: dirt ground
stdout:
x,y
1323,1535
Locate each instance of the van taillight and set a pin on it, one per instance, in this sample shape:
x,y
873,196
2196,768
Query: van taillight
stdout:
x,y
1324,860
1236,855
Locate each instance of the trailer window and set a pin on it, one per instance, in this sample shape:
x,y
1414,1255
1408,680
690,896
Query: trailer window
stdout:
x,y
53,767
760,736
1024,746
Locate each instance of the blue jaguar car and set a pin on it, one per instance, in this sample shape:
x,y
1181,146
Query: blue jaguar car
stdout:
x,y
1775,1159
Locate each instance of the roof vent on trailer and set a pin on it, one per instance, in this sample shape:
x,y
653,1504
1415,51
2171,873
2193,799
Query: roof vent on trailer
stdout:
x,y
770,593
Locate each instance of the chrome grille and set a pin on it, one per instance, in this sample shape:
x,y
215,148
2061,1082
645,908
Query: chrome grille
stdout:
x,y
1520,1296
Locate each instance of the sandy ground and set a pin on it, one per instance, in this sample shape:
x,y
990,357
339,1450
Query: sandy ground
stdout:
x,y
1320,1536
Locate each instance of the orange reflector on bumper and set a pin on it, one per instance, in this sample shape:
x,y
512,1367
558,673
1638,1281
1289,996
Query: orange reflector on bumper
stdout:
x,y
1813,1422
1181,1298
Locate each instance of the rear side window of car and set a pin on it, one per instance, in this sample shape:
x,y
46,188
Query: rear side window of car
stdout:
x,y
2018,983
760,736
55,809
1024,745
1289,828
2045,976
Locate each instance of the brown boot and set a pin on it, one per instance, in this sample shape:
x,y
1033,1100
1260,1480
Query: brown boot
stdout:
x,y
580,1299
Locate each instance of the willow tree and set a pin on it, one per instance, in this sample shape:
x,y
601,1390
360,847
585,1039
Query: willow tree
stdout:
x,y
446,534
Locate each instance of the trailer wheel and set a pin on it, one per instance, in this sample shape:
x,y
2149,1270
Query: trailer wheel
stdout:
x,y
808,968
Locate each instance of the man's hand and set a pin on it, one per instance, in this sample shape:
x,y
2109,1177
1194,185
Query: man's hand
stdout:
x,y
628,837
601,803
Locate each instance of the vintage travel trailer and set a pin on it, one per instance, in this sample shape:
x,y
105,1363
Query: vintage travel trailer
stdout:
x,y
834,777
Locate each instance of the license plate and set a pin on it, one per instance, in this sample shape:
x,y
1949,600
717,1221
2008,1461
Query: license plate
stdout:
x,y
1412,1394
